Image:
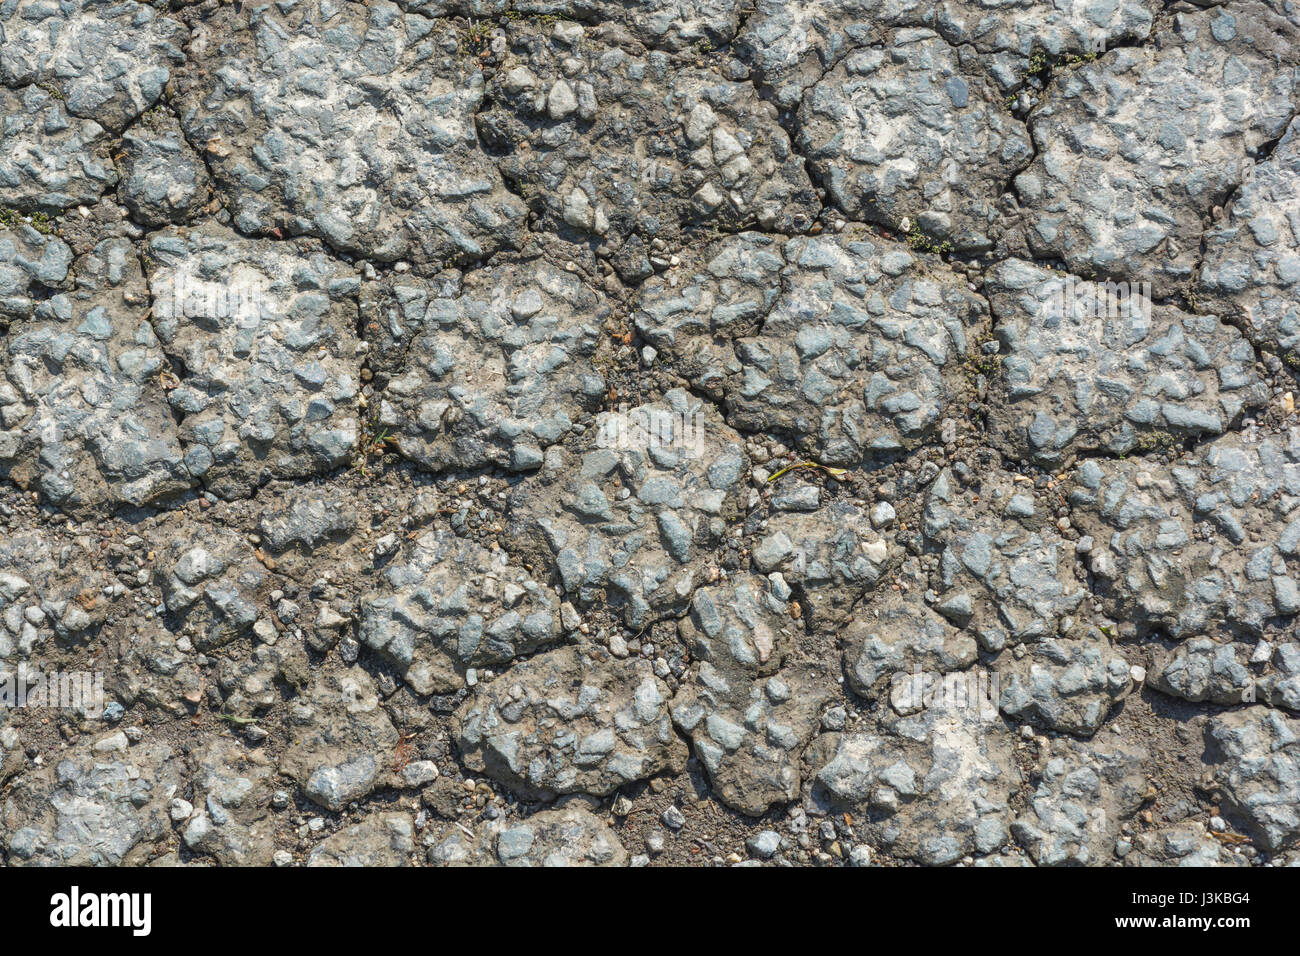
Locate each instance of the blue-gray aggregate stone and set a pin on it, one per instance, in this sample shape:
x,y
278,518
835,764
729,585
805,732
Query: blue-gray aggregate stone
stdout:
x,y
448,604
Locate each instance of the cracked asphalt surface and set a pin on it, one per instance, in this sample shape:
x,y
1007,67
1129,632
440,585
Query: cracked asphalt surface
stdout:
x,y
674,432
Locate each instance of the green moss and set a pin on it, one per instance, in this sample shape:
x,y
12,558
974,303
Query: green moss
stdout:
x,y
477,38
1041,66
920,242
978,362
1039,63
1153,441
514,16
43,224
376,443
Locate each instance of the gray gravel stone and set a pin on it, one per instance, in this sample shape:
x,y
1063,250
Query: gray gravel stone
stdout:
x,y
108,61
624,150
1199,669
307,521
449,605
1079,374
232,825
793,45
850,345
903,134
1184,845
91,809
159,670
933,786
1084,795
568,836
344,743
834,556
48,159
764,844
642,553
1258,758
381,839
1066,685
211,589
495,369
748,717
1201,544
163,179
1130,205
566,722
1017,572
29,262
897,636
353,123
1251,269
265,336
83,404
1009,32
1007,576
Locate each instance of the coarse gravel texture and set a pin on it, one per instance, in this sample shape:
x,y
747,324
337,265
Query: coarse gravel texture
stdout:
x,y
678,432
